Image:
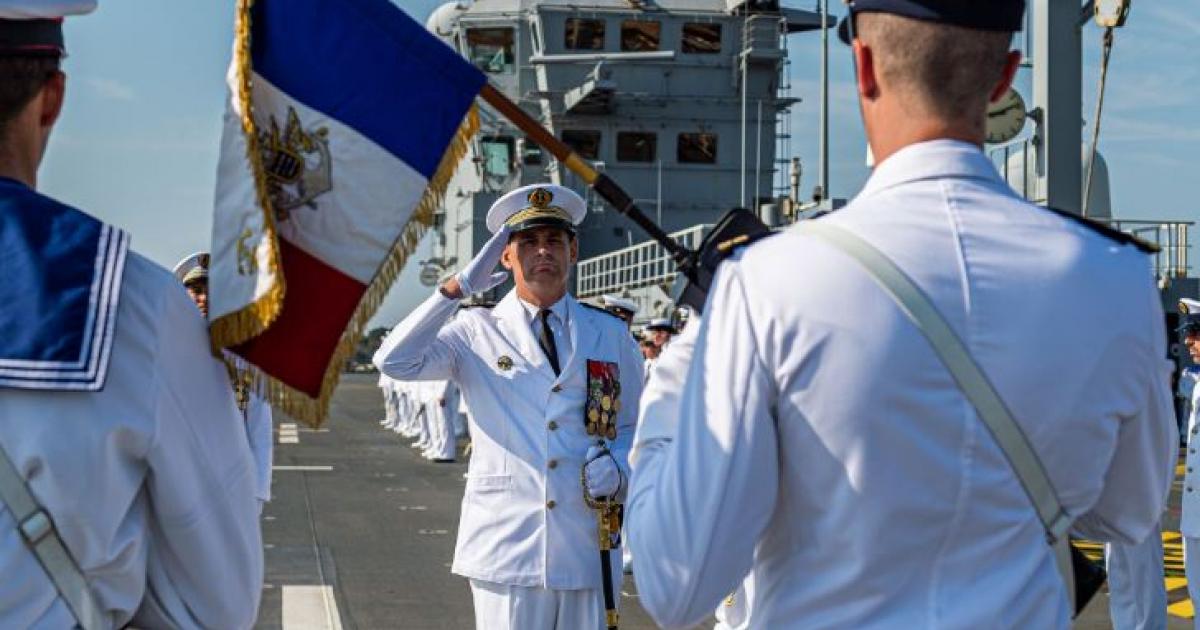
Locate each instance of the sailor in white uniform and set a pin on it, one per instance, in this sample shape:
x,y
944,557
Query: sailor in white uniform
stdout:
x,y
389,409
135,452
530,369
820,442
624,308
402,397
1189,522
1137,595
422,393
192,273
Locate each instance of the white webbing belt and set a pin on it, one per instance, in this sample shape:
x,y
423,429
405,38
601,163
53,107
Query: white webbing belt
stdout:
x,y
38,533
991,409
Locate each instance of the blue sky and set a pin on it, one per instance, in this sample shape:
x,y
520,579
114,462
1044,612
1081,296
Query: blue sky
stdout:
x,y
137,144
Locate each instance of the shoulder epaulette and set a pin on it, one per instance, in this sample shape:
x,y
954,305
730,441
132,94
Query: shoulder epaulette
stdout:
x,y
463,307
1108,231
726,248
601,310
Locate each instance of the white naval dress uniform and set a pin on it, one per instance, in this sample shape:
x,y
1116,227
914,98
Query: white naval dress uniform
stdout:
x,y
526,539
403,396
261,431
150,481
1137,595
1189,521
385,388
822,445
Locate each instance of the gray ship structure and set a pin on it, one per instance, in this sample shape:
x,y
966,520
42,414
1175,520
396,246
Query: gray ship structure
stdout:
x,y
685,103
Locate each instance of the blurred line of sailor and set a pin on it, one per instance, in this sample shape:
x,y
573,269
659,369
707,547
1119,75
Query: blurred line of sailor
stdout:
x,y
192,273
1189,522
432,413
821,445
553,385
129,492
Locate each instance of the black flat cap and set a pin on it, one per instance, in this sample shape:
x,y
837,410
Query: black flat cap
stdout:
x,y
985,15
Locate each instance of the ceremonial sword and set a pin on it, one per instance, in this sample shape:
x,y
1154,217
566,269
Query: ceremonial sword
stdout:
x,y
608,516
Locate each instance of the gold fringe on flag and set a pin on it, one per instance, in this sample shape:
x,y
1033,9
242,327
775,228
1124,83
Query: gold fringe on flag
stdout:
x,y
251,320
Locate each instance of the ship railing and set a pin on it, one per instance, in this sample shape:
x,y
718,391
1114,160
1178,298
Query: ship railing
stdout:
x,y
1171,237
634,267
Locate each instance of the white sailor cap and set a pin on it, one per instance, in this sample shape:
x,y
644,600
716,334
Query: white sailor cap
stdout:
x,y
192,268
614,302
1189,316
537,205
34,27
661,324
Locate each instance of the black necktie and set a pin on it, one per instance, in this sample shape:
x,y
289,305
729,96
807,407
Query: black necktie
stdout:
x,y
546,340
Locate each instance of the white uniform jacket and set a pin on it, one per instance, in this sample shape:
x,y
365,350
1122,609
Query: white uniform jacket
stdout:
x,y
822,444
524,521
150,481
1189,522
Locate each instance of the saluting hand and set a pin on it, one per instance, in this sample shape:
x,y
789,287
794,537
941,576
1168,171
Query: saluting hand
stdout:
x,y
478,275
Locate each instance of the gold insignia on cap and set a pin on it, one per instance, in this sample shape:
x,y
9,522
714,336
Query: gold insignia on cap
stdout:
x,y
1183,309
505,363
540,198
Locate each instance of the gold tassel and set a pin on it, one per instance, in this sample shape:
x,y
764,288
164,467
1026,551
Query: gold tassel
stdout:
x,y
251,320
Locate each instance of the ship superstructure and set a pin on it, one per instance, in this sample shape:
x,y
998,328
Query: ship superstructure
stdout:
x,y
681,101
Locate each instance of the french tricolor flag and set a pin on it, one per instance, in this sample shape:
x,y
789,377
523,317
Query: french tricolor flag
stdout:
x,y
345,122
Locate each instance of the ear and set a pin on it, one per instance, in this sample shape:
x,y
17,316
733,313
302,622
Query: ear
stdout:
x,y
864,66
52,96
1011,65
574,247
507,256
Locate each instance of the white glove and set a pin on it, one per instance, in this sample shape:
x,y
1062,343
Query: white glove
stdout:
x,y
477,276
601,474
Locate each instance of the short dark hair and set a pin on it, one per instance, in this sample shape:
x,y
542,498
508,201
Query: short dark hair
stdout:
x,y
947,69
21,77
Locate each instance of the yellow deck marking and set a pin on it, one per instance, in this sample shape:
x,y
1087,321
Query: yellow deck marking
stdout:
x,y
1182,609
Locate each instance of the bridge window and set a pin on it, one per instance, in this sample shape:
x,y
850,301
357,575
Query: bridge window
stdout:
x,y
697,148
585,143
639,36
702,38
584,34
496,154
636,146
491,49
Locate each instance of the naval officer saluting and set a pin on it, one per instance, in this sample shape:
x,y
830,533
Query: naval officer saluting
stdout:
x,y
544,376
823,446
132,501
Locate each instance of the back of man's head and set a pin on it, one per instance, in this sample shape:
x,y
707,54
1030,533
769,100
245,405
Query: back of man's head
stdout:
x,y
21,78
940,70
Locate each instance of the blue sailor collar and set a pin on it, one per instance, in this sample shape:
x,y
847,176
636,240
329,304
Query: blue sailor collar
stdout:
x,y
59,288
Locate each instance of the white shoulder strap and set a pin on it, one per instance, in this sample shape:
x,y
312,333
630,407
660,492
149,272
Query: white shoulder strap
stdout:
x,y
39,535
970,378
